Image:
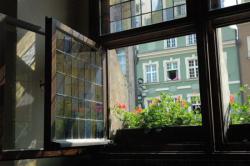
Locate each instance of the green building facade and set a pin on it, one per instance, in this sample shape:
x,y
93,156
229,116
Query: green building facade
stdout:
x,y
171,66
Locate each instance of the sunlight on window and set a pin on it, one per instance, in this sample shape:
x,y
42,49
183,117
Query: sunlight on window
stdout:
x,y
161,87
234,68
26,49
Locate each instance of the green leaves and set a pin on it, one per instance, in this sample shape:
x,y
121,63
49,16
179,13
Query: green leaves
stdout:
x,y
164,111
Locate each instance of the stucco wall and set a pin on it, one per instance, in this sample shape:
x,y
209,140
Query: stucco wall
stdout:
x,y
118,88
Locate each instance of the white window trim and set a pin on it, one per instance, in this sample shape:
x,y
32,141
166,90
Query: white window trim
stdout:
x,y
165,43
189,99
187,40
193,57
248,47
144,71
165,68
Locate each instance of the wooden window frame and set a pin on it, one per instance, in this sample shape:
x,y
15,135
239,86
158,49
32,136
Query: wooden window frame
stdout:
x,y
49,150
52,25
199,136
205,29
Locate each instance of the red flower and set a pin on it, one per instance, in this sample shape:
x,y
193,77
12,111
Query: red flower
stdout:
x,y
231,99
138,110
122,106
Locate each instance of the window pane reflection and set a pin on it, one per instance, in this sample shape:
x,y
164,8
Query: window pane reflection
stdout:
x,y
79,88
124,15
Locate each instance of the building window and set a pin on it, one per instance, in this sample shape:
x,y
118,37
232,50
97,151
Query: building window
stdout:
x,y
170,43
180,11
192,67
77,111
150,71
195,102
191,39
172,70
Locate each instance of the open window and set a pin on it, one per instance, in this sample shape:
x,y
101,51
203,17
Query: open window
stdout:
x,y
75,109
155,101
232,43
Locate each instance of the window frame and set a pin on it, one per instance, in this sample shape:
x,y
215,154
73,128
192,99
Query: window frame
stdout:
x,y
166,30
144,69
18,154
193,38
204,28
219,18
52,25
172,42
192,58
165,70
189,99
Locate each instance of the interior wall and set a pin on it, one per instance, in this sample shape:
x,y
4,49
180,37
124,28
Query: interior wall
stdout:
x,y
73,13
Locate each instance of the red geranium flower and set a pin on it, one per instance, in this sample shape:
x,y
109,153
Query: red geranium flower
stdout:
x,y
231,99
138,110
122,106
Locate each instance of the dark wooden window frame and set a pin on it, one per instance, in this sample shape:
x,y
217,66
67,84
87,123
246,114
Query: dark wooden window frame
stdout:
x,y
203,21
236,137
49,150
52,25
172,139
193,23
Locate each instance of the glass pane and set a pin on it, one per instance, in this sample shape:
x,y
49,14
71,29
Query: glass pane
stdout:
x,y
22,72
156,5
168,14
157,17
115,13
116,26
126,24
146,6
136,21
136,7
126,12
157,89
168,3
136,13
180,11
79,87
234,53
60,83
146,19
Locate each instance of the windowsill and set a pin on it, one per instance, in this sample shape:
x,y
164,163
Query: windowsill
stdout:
x,y
82,142
172,81
176,81
151,83
169,48
190,45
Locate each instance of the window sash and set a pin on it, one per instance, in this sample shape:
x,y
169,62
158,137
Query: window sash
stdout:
x,y
193,68
151,72
52,28
170,43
